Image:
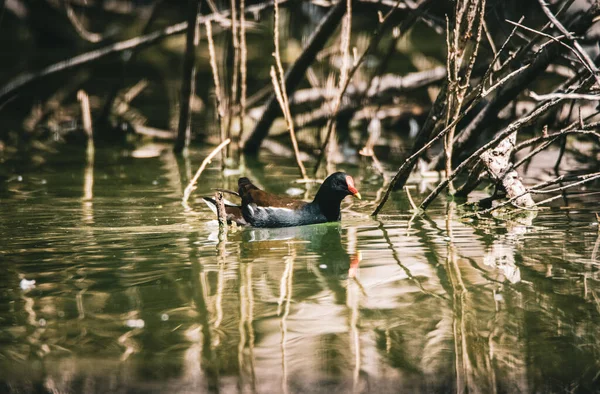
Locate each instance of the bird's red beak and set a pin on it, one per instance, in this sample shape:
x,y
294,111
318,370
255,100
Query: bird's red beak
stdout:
x,y
351,187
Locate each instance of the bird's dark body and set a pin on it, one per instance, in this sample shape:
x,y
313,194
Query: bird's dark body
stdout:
x,y
262,209
283,217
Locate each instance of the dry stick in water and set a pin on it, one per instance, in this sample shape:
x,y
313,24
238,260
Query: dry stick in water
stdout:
x,y
86,114
188,85
475,179
215,72
235,73
409,162
345,46
281,94
480,95
221,214
192,185
243,70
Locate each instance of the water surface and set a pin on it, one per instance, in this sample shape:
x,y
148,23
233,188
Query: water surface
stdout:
x,y
134,292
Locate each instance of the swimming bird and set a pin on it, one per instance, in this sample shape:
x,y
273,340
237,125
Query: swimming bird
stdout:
x,y
262,209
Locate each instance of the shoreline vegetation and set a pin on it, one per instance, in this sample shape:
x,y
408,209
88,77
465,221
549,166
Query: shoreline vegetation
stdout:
x,y
504,84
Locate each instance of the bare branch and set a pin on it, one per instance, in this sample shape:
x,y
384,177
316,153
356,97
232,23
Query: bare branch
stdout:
x,y
192,185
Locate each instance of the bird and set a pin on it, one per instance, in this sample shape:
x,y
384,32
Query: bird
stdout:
x,y
266,210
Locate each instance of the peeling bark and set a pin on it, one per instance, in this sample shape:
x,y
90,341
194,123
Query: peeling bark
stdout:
x,y
500,169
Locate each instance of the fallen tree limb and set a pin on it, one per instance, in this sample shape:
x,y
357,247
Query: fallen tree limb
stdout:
x,y
514,126
500,169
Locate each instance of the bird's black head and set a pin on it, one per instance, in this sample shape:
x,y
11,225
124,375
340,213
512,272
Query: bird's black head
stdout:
x,y
340,185
331,193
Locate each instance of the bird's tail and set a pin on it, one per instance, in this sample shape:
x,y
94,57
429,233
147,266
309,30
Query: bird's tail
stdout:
x,y
233,211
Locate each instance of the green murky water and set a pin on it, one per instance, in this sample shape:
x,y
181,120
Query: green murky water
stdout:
x,y
134,293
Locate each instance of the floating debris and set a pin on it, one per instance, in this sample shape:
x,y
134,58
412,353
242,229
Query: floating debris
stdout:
x,y
135,323
27,285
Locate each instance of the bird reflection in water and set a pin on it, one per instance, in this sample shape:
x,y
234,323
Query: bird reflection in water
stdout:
x,y
323,241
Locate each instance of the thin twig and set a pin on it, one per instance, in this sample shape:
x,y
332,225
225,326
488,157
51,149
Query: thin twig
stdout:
x,y
557,39
345,46
566,96
81,30
278,80
534,152
216,81
192,185
553,136
581,53
243,70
